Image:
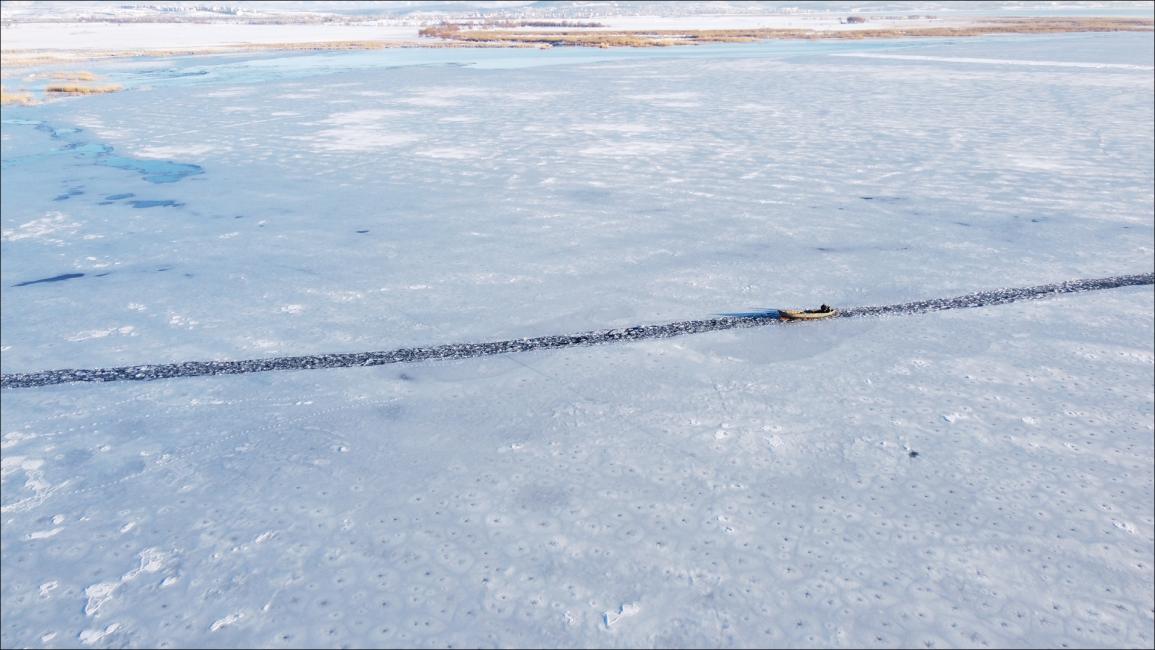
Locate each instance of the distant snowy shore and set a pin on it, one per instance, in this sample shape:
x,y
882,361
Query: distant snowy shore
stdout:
x,y
81,36
37,43
114,36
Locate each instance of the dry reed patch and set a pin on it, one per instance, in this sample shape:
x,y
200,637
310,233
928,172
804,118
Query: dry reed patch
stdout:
x,y
16,99
667,37
72,89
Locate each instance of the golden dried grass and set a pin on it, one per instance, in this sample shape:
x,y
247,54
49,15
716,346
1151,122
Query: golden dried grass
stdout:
x,y
73,89
667,37
17,99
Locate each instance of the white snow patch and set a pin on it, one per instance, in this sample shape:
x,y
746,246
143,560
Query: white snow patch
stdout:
x,y
449,153
30,466
624,610
628,149
441,97
366,117
534,97
358,139
669,100
45,534
625,127
151,561
227,620
13,438
91,637
46,228
124,330
229,92
34,482
172,152
98,594
180,320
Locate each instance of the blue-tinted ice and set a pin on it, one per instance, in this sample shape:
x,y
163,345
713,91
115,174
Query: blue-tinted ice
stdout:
x,y
974,477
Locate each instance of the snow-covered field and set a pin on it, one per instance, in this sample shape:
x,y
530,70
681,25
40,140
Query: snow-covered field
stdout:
x,y
980,478
162,36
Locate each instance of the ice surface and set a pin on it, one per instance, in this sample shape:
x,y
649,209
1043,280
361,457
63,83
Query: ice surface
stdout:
x,y
977,478
710,185
728,489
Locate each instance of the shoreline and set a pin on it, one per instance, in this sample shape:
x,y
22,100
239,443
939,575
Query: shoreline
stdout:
x,y
34,58
453,36
862,31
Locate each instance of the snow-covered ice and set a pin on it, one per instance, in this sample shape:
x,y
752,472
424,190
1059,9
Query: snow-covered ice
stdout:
x,y
966,478
752,488
78,37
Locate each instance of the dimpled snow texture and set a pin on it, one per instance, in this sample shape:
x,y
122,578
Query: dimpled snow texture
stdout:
x,y
467,350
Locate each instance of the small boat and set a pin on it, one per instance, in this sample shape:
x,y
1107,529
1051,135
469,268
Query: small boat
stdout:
x,y
825,311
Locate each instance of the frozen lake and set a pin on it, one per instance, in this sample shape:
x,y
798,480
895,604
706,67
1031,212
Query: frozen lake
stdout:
x,y
976,478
